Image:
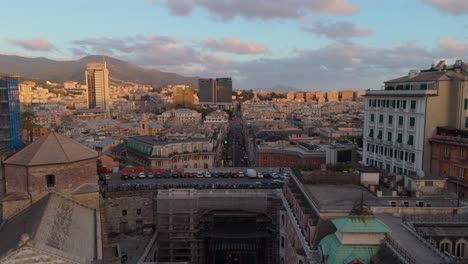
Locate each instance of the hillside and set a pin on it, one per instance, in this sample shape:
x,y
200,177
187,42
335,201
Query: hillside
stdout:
x,y
51,70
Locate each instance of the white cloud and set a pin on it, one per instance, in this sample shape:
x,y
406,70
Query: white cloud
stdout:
x,y
263,9
234,45
36,44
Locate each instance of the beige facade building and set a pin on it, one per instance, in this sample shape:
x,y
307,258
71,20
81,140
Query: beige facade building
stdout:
x,y
291,95
347,95
183,95
97,81
333,96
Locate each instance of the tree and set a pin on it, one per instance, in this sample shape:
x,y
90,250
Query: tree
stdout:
x,y
27,122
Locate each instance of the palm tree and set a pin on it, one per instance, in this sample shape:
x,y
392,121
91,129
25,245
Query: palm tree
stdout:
x,y
27,122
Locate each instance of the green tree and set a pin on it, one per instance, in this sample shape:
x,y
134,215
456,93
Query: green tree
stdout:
x,y
27,122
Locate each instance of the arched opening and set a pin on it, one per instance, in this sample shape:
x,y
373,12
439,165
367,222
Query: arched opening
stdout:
x,y
460,249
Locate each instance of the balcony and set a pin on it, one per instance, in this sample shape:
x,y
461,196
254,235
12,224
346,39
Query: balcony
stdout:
x,y
407,93
451,135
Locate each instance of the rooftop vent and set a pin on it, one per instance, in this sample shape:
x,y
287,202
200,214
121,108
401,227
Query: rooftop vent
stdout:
x,y
413,73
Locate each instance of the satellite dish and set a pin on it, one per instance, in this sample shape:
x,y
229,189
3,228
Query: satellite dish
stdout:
x,y
420,174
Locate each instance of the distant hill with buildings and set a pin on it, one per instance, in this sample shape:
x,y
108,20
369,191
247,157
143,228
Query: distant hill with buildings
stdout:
x,y
52,70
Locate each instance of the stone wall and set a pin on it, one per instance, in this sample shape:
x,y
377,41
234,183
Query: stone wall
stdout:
x,y
13,207
139,211
330,177
68,177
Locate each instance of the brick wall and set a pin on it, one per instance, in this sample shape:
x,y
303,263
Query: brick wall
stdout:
x,y
68,177
329,177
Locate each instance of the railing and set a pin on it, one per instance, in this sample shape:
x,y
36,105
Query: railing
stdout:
x,y
404,256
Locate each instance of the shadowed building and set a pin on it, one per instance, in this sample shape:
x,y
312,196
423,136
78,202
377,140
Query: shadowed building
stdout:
x,y
215,92
51,204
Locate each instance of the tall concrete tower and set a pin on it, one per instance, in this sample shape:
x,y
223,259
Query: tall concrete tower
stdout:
x,y
97,80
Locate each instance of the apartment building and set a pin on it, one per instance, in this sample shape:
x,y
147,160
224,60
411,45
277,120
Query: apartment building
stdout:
x,y
400,120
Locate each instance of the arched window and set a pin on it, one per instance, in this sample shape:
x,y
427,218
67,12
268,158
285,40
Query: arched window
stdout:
x,y
300,262
460,249
446,247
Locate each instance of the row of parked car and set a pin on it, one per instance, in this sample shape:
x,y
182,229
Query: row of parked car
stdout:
x,y
207,174
152,186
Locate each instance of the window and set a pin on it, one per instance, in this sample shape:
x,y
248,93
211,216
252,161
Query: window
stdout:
x,y
462,153
390,120
124,212
466,122
412,121
401,120
410,140
282,242
372,117
413,157
466,104
407,87
370,102
282,220
138,211
400,138
381,118
403,104
424,86
445,247
50,180
389,136
460,250
371,133
393,103
413,104
380,134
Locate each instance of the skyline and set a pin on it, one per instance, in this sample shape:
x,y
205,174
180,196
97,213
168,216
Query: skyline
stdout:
x,y
315,45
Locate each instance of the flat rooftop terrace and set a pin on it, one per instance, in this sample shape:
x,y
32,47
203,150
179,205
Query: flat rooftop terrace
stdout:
x,y
344,196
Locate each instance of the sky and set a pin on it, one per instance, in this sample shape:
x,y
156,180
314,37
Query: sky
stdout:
x,y
305,44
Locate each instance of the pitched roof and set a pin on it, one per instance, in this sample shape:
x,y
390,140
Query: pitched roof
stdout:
x,y
338,253
58,222
360,224
51,149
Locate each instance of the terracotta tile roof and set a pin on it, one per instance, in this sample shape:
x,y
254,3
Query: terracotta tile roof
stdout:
x,y
51,149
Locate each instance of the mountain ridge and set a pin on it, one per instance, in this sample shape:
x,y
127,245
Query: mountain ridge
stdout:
x,y
42,68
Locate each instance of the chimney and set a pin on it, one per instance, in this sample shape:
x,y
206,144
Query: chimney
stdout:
x,y
441,65
413,73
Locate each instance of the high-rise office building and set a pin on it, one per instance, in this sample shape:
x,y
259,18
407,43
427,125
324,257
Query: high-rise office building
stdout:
x,y
10,116
206,91
215,92
97,80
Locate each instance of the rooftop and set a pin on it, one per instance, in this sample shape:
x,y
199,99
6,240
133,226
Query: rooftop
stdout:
x,y
53,148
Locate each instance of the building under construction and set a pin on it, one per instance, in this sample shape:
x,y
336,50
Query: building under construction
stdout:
x,y
217,226
10,116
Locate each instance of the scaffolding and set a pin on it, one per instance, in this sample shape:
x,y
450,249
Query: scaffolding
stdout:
x,y
10,115
194,225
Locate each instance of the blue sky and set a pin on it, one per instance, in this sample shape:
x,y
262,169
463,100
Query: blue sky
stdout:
x,y
307,44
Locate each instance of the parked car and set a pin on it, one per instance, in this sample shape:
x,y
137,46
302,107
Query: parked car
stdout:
x,y
107,177
124,177
207,174
240,174
158,175
141,175
150,175
133,176
266,175
275,175
259,175
191,175
199,174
